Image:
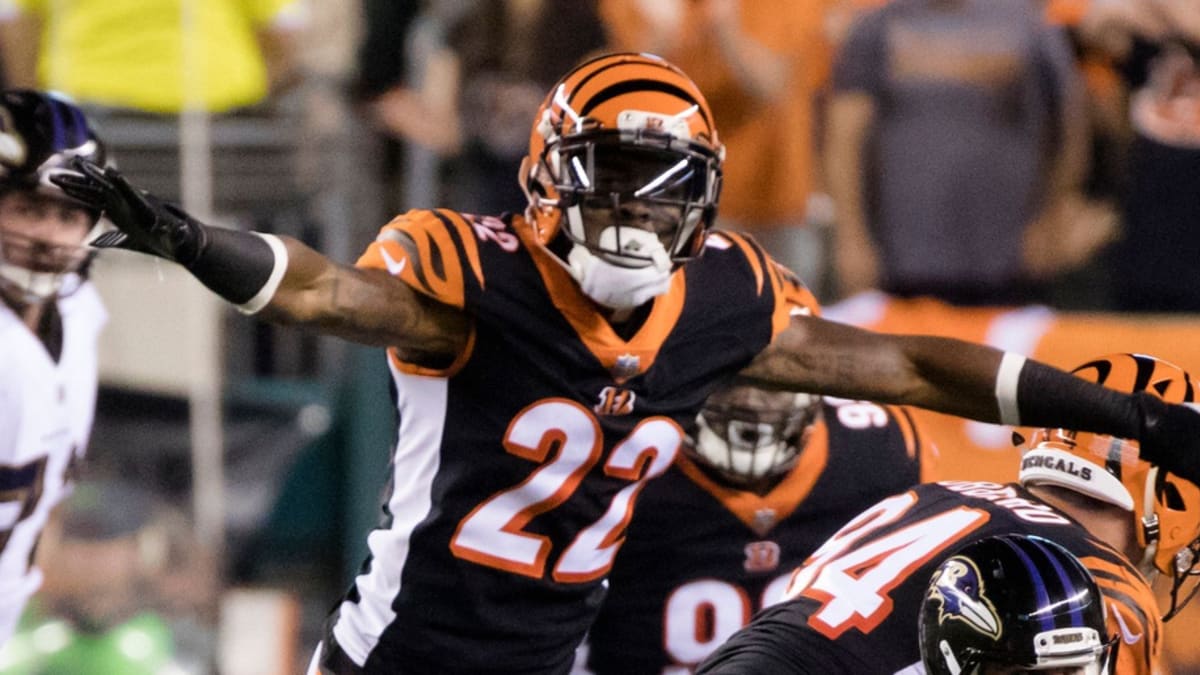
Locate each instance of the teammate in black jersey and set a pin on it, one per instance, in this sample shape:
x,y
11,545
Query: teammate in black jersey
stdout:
x,y
762,482
852,607
549,364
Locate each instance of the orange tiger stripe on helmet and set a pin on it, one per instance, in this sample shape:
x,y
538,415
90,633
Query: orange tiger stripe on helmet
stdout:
x,y
1137,372
593,96
601,89
1165,508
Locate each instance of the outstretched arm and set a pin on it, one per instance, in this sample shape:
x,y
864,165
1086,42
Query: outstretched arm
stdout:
x,y
941,374
279,276
363,305
975,381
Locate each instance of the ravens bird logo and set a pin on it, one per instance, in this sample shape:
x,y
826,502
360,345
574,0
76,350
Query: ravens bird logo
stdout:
x,y
959,587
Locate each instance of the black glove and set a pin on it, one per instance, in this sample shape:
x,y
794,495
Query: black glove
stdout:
x,y
1169,436
145,223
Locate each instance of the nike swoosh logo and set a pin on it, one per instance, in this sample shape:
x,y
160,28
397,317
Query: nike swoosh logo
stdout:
x,y
394,268
1126,635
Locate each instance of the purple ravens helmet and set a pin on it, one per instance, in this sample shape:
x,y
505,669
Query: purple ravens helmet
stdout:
x,y
1013,601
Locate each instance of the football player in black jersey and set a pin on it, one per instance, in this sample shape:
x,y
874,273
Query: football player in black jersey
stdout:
x,y
548,364
764,479
851,607
1014,604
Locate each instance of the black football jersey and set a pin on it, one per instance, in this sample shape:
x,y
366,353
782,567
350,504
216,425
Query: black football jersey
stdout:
x,y
518,465
700,557
853,606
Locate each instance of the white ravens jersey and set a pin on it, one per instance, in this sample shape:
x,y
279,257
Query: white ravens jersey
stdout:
x,y
46,410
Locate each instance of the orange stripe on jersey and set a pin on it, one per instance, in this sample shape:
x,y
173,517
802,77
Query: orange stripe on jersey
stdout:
x,y
783,499
435,249
437,270
470,242
638,353
908,429
1133,614
918,447
791,296
793,290
415,369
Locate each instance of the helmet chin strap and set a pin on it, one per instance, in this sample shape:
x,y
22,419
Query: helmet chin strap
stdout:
x,y
1150,525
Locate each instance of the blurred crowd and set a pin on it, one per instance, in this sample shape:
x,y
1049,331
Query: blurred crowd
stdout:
x,y
984,153
980,153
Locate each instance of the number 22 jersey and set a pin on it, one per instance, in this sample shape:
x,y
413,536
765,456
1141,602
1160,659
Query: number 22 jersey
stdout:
x,y
517,466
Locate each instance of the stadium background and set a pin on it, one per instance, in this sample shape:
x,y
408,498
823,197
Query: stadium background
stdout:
x,y
261,450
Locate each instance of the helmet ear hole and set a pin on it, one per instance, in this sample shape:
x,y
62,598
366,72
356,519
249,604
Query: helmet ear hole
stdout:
x,y
1169,494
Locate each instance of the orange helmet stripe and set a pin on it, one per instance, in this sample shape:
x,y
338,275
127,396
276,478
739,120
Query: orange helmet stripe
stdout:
x,y
633,81
1137,372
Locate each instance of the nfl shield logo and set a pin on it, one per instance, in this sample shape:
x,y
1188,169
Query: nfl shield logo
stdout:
x,y
626,366
764,519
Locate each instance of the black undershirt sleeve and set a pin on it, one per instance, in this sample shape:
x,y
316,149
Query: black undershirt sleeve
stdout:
x,y
234,265
1048,397
1168,435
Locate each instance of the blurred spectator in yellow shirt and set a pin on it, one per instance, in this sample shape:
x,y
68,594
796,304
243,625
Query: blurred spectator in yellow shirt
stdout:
x,y
157,56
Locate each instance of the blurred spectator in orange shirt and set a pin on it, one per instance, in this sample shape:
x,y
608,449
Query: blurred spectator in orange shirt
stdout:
x,y
760,62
